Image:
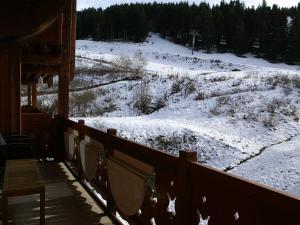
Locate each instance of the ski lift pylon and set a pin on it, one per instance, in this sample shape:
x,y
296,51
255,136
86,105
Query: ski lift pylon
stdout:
x,y
199,39
256,44
223,41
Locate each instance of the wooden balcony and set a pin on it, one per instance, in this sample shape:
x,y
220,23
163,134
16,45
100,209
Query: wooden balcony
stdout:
x,y
67,202
144,186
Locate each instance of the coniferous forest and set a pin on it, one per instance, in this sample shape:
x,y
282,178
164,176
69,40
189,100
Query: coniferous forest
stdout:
x,y
269,32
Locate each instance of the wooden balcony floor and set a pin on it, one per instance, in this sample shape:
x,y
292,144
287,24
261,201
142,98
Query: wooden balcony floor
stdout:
x,y
67,203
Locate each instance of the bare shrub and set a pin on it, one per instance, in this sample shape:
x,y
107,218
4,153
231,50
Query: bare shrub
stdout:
x,y
138,64
251,116
237,82
287,90
160,102
122,63
100,110
48,105
101,92
175,142
215,94
110,108
231,111
134,66
189,88
200,96
143,98
218,79
270,121
223,100
87,70
176,87
284,81
79,101
215,110
296,81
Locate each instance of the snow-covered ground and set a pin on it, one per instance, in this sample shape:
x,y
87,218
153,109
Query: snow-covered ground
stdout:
x,y
240,114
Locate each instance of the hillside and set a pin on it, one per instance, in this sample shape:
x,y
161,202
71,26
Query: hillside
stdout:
x,y
240,114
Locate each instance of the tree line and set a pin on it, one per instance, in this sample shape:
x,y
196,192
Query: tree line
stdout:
x,y
270,32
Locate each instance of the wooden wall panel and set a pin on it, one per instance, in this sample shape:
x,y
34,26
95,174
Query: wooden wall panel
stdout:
x,y
38,126
10,78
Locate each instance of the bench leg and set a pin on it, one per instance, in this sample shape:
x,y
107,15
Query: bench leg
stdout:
x,y
42,207
5,209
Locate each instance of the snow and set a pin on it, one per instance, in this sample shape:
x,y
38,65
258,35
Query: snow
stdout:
x,y
241,114
278,166
163,54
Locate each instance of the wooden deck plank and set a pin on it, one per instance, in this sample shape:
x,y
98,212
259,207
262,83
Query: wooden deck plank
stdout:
x,y
22,176
67,202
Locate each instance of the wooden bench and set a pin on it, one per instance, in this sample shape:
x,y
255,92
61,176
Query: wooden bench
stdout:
x,y
22,177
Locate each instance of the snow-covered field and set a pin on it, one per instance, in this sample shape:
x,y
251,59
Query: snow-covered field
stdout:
x,y
240,114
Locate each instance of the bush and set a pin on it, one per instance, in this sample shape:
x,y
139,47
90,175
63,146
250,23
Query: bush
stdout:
x,y
175,142
270,121
142,98
79,101
159,104
176,87
46,104
200,96
215,110
189,88
222,100
138,64
134,66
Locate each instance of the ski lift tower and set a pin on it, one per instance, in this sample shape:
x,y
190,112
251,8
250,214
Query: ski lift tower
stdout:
x,y
194,33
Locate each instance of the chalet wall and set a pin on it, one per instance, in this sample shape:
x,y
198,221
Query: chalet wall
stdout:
x,y
10,78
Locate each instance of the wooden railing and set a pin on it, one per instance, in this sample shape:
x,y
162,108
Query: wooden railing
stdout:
x,y
180,191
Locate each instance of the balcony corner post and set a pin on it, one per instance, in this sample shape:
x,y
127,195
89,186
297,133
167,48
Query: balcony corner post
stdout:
x,y
58,134
109,152
81,124
110,132
183,198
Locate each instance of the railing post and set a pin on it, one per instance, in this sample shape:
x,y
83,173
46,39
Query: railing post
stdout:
x,y
183,187
110,132
78,156
58,135
109,149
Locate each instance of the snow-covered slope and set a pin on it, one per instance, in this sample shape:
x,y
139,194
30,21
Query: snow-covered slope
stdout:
x,y
240,114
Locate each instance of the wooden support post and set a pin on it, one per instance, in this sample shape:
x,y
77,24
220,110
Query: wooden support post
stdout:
x,y
183,189
5,209
66,73
42,206
63,95
29,94
73,39
34,96
58,135
78,156
110,132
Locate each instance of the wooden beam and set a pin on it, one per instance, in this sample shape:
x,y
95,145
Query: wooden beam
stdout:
x,y
41,69
36,59
21,20
63,96
40,47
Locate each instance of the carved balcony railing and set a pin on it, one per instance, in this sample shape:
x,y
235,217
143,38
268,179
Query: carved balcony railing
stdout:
x,y
147,186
